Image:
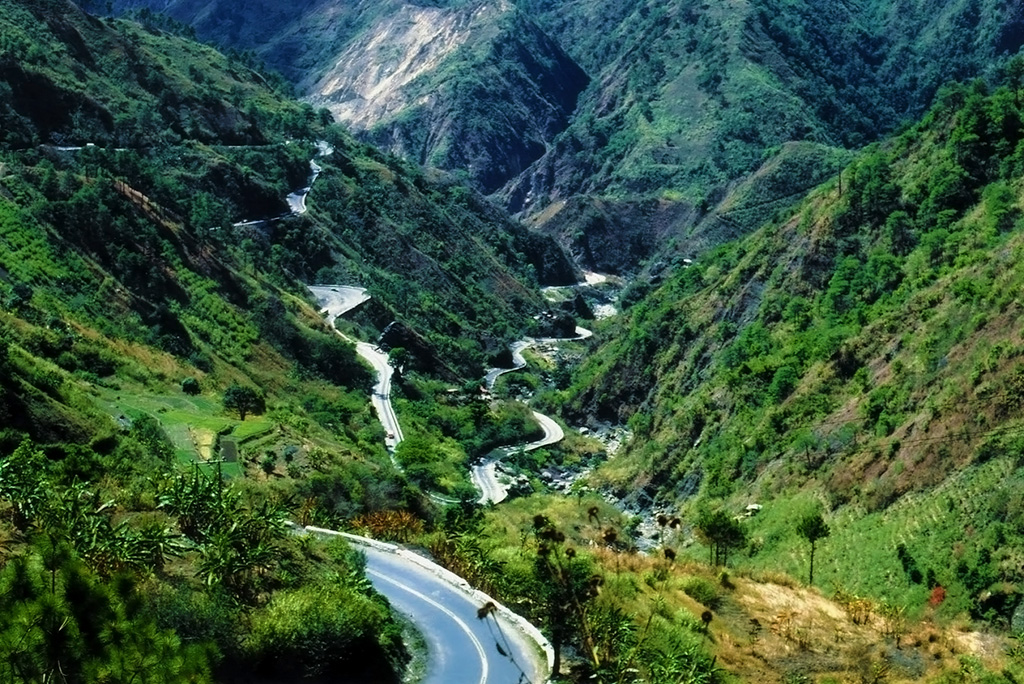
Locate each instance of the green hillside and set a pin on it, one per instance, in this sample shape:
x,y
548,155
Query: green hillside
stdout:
x,y
169,395
859,353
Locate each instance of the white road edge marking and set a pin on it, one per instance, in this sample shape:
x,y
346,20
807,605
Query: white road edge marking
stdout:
x,y
446,611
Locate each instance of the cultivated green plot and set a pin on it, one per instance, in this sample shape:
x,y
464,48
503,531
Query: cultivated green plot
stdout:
x,y
190,423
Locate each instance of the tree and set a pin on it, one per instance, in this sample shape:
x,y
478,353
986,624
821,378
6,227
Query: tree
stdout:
x,y
243,399
208,216
398,358
1014,73
565,586
68,625
721,533
812,528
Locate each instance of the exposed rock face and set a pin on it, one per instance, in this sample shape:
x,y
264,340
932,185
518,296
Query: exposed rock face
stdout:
x,y
614,237
370,80
556,324
478,88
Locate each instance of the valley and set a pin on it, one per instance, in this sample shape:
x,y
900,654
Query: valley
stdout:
x,y
681,339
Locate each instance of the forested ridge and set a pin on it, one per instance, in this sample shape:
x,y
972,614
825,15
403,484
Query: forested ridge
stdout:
x,y
170,396
792,451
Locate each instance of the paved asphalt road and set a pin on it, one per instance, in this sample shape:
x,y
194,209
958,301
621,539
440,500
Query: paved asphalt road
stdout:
x,y
462,648
337,300
381,397
297,200
518,362
484,475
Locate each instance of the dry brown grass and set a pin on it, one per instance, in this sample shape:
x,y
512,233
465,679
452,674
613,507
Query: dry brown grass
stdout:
x,y
849,639
203,440
768,627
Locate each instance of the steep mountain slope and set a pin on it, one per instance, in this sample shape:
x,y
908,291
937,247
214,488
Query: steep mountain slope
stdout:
x,y
479,89
124,261
475,87
859,358
131,243
684,98
130,317
863,351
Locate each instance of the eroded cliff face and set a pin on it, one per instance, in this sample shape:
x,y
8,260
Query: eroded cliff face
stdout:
x,y
479,89
371,80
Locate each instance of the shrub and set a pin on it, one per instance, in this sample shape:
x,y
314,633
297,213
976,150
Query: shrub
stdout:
x,y
190,386
701,590
323,630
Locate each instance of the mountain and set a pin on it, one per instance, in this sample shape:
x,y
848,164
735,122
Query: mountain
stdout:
x,y
477,88
859,354
170,395
373,212
671,102
686,96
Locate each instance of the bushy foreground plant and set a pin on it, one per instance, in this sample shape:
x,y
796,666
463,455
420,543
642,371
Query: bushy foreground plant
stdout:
x,y
62,622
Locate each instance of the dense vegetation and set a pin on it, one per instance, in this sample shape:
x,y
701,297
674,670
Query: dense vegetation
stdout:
x,y
783,367
686,97
169,396
114,583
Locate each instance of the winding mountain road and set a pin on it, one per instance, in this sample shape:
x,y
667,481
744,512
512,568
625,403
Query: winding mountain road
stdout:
x,y
337,300
297,200
518,362
462,646
501,647
484,475
517,349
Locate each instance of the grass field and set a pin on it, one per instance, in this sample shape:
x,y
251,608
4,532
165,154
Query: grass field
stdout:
x,y
193,424
941,534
